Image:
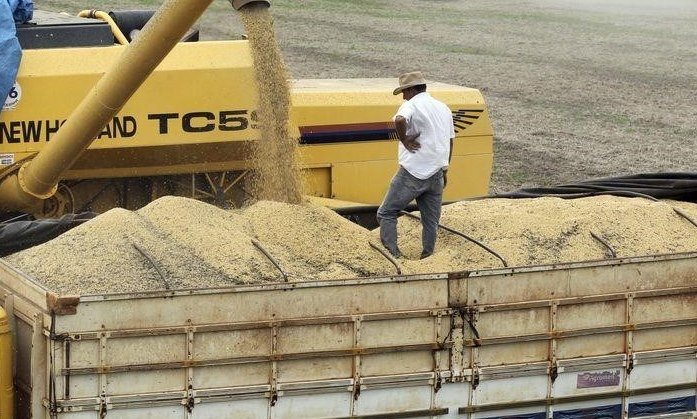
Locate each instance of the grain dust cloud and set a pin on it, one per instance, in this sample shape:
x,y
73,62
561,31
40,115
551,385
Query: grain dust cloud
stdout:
x,y
275,155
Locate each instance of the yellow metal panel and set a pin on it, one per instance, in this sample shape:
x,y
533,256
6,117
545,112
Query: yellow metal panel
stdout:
x,y
362,171
365,181
348,152
159,113
317,181
318,102
382,150
468,176
6,396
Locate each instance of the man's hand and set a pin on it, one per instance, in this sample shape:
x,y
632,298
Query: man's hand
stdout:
x,y
445,178
410,142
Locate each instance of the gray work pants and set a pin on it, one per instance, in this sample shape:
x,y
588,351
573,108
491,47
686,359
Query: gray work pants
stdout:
x,y
403,189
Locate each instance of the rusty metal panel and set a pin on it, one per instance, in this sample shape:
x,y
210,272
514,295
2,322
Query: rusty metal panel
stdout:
x,y
589,315
322,337
153,412
574,279
228,344
313,406
667,273
80,386
662,308
235,409
145,350
663,374
513,353
466,360
665,338
640,274
525,286
135,382
79,415
231,375
402,399
590,345
513,322
14,282
457,290
397,332
256,303
518,389
315,369
397,363
453,394
595,280
84,353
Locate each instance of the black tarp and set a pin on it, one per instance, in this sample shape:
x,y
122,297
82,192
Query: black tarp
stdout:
x,y
20,235
676,186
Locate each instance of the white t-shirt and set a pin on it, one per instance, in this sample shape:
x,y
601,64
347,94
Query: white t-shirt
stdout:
x,y
434,120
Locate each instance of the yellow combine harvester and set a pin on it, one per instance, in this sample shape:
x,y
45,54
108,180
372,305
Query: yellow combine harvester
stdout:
x,y
186,130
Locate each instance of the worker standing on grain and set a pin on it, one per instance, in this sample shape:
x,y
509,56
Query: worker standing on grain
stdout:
x,y
425,130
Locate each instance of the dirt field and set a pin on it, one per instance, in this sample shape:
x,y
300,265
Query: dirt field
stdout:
x,y
576,90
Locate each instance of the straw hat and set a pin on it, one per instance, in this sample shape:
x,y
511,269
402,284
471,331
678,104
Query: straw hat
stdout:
x,y
408,80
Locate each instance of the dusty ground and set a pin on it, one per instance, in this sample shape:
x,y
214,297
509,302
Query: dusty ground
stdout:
x,y
576,90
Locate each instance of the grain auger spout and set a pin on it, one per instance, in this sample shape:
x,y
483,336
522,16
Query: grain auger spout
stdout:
x,y
240,4
25,187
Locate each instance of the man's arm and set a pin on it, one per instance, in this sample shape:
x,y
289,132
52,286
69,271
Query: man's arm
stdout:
x,y
450,154
409,141
445,171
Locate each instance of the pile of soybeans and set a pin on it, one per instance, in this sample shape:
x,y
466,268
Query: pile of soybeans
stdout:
x,y
176,243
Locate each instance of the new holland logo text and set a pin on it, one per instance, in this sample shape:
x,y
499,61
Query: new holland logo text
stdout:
x,y
127,126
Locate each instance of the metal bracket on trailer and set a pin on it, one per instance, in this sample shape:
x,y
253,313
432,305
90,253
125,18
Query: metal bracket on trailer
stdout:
x,y
102,407
553,372
475,377
469,314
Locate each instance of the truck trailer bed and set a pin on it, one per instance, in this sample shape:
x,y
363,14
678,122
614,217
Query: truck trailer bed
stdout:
x,y
615,338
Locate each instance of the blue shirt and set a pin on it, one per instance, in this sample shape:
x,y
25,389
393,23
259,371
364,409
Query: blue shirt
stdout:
x,y
11,12
22,10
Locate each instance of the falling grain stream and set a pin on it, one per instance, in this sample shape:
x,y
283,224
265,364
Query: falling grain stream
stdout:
x,y
274,156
